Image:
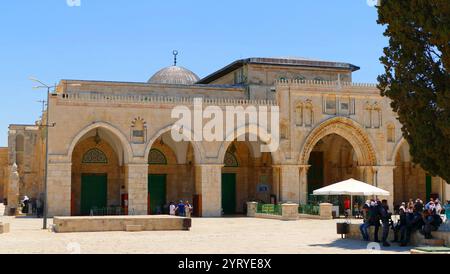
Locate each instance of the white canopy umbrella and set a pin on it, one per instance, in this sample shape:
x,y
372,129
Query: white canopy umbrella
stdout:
x,y
351,187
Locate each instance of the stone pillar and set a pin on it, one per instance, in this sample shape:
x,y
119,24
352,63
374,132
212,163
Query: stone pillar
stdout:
x,y
59,189
276,182
386,182
208,184
136,179
251,209
304,184
361,175
13,191
289,211
326,211
446,195
366,174
290,183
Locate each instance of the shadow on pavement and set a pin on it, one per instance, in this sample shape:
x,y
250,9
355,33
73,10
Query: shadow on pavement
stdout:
x,y
361,245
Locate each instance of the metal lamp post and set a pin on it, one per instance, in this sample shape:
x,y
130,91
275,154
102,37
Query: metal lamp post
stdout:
x,y
45,86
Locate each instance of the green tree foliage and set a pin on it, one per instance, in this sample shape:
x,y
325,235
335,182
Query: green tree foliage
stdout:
x,y
417,79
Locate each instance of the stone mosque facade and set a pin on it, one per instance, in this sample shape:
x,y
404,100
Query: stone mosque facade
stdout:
x,y
111,144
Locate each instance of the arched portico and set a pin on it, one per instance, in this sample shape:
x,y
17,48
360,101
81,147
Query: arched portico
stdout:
x,y
114,135
336,150
349,130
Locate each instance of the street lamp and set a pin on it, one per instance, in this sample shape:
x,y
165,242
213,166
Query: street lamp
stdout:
x,y
47,125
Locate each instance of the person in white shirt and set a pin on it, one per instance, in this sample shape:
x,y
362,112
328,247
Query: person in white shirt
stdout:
x,y
172,209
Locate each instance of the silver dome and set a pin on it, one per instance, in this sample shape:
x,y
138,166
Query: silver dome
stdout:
x,y
174,75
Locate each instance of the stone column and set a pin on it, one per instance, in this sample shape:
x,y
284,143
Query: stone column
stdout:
x,y
59,189
304,184
361,175
276,182
366,174
13,191
386,182
446,194
208,184
290,183
136,179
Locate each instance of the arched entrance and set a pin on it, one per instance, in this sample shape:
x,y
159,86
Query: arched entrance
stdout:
x,y
332,160
171,173
97,173
410,180
337,150
247,175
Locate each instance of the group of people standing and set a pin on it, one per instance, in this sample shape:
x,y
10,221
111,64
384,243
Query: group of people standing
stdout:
x,y
413,216
183,209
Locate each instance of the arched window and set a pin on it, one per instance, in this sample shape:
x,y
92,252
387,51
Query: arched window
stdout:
x,y
299,114
390,133
156,157
376,116
308,114
138,127
231,160
368,115
94,156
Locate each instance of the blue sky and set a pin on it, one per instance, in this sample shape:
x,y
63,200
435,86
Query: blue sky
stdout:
x,y
122,40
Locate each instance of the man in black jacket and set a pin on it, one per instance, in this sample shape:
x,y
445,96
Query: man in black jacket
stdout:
x,y
374,218
385,216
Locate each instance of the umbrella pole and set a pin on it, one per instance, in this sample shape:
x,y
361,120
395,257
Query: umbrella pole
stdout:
x,y
351,206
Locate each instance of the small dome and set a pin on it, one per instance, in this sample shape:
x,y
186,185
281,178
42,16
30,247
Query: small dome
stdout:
x,y
174,75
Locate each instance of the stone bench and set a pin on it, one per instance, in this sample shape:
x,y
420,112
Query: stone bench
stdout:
x,y
4,228
120,223
440,237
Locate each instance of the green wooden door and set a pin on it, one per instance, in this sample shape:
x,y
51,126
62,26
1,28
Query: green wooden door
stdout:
x,y
229,193
428,188
94,192
315,172
157,193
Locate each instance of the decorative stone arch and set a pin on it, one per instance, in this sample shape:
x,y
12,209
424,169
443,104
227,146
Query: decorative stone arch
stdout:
x,y
349,130
115,133
396,149
198,151
255,130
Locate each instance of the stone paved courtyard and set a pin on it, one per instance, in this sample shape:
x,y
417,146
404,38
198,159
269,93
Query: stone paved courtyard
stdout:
x,y
215,235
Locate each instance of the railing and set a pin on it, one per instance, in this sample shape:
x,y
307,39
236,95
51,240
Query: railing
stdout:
x,y
269,209
309,209
153,99
325,83
107,211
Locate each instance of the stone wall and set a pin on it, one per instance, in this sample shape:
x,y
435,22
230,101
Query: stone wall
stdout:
x,y
3,172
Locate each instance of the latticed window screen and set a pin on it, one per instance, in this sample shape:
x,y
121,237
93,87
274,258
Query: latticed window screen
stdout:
x,y
156,157
95,156
230,160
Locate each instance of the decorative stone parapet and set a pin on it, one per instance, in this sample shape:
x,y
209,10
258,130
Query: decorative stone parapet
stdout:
x,y
326,211
251,209
150,99
289,211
